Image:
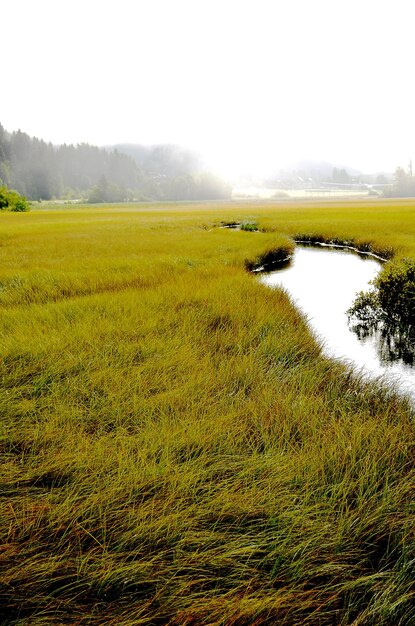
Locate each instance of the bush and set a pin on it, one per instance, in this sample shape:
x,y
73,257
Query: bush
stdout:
x,y
20,206
396,291
10,200
249,226
366,308
393,299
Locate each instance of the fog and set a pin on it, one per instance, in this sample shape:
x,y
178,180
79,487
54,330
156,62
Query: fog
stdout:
x,y
251,86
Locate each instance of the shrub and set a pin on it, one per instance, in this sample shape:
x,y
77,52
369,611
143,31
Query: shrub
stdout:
x,y
392,300
10,200
396,291
20,206
250,226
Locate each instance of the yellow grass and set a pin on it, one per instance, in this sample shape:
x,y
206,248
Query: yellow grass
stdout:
x,y
175,449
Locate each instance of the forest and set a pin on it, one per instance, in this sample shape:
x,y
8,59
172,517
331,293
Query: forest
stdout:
x,y
40,170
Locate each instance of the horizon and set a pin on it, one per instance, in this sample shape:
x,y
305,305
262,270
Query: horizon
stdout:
x,y
288,167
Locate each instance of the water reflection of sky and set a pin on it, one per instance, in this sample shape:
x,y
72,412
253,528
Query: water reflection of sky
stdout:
x,y
324,284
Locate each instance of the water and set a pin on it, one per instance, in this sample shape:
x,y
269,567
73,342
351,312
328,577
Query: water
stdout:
x,y
324,284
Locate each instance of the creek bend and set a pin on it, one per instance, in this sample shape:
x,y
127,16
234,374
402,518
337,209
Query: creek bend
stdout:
x,y
323,283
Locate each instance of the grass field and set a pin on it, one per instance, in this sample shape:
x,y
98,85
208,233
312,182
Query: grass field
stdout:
x,y
174,447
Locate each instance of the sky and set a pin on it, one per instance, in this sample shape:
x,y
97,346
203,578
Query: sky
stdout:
x,y
253,85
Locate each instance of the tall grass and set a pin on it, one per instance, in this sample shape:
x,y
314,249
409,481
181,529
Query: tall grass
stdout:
x,y
175,448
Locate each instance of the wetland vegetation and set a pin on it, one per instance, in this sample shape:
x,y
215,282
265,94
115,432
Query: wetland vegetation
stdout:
x,y
175,447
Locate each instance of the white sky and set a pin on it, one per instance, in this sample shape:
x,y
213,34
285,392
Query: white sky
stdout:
x,y
252,84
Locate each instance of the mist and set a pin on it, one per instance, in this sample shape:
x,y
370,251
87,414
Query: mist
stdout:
x,y
251,89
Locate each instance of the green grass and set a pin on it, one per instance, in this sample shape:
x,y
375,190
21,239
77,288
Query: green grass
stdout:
x,y
175,449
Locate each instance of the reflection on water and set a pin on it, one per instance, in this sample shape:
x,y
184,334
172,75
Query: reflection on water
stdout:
x,y
393,344
324,284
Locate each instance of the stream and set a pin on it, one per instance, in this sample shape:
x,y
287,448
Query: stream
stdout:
x,y
324,283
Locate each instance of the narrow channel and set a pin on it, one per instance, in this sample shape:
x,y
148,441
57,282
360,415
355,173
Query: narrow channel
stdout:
x,y
324,283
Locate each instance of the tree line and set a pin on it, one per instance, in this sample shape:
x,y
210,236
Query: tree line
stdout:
x,y
43,171
404,183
